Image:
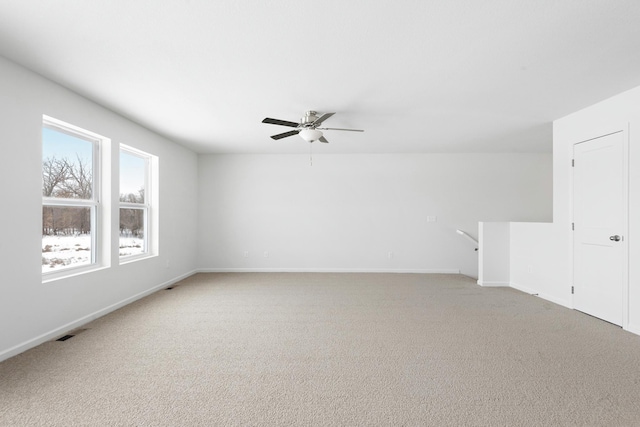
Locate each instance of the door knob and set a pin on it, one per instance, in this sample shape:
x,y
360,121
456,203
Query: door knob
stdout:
x,y
615,238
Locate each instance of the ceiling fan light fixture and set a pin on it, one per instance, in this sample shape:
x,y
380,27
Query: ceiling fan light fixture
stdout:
x,y
310,135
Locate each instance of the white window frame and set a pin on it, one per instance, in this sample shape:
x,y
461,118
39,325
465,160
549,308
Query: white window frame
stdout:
x,y
98,256
147,206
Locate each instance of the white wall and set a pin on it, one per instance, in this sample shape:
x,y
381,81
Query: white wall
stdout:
x,y
347,212
493,253
552,243
538,261
32,311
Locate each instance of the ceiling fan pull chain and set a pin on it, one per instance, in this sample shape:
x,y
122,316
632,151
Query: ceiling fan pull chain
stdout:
x,y
310,154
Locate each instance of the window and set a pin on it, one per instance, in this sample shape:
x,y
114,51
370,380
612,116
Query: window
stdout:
x,y
135,203
70,196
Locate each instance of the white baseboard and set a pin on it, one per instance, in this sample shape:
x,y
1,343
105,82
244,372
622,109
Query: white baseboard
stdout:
x,y
487,284
524,289
550,298
559,301
634,329
61,330
324,270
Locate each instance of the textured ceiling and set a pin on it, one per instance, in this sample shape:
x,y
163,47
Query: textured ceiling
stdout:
x,y
417,75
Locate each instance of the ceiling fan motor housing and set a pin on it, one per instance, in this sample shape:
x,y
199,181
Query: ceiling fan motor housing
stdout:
x,y
309,117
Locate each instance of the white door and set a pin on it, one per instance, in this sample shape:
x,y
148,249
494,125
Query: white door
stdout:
x,y
599,244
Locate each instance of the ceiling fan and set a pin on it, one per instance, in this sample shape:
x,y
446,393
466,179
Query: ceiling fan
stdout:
x,y
307,128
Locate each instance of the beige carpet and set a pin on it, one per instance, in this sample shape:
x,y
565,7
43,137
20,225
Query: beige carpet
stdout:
x,y
330,349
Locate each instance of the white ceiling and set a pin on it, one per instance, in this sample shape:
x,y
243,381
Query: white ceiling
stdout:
x,y
417,75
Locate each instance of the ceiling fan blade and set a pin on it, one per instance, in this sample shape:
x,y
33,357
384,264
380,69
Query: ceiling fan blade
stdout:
x,y
323,139
280,122
286,134
323,118
350,130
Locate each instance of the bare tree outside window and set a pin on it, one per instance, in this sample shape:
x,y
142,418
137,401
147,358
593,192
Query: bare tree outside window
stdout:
x,y
68,200
134,203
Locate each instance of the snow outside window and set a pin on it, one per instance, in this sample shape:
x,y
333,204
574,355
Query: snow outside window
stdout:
x,y
135,204
70,198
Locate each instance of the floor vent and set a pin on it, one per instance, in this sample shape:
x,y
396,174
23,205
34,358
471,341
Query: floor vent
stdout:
x,y
71,334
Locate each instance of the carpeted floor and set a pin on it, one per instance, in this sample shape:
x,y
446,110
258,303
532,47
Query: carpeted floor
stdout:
x,y
328,350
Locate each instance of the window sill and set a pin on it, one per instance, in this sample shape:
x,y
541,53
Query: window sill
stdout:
x,y
135,258
73,272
